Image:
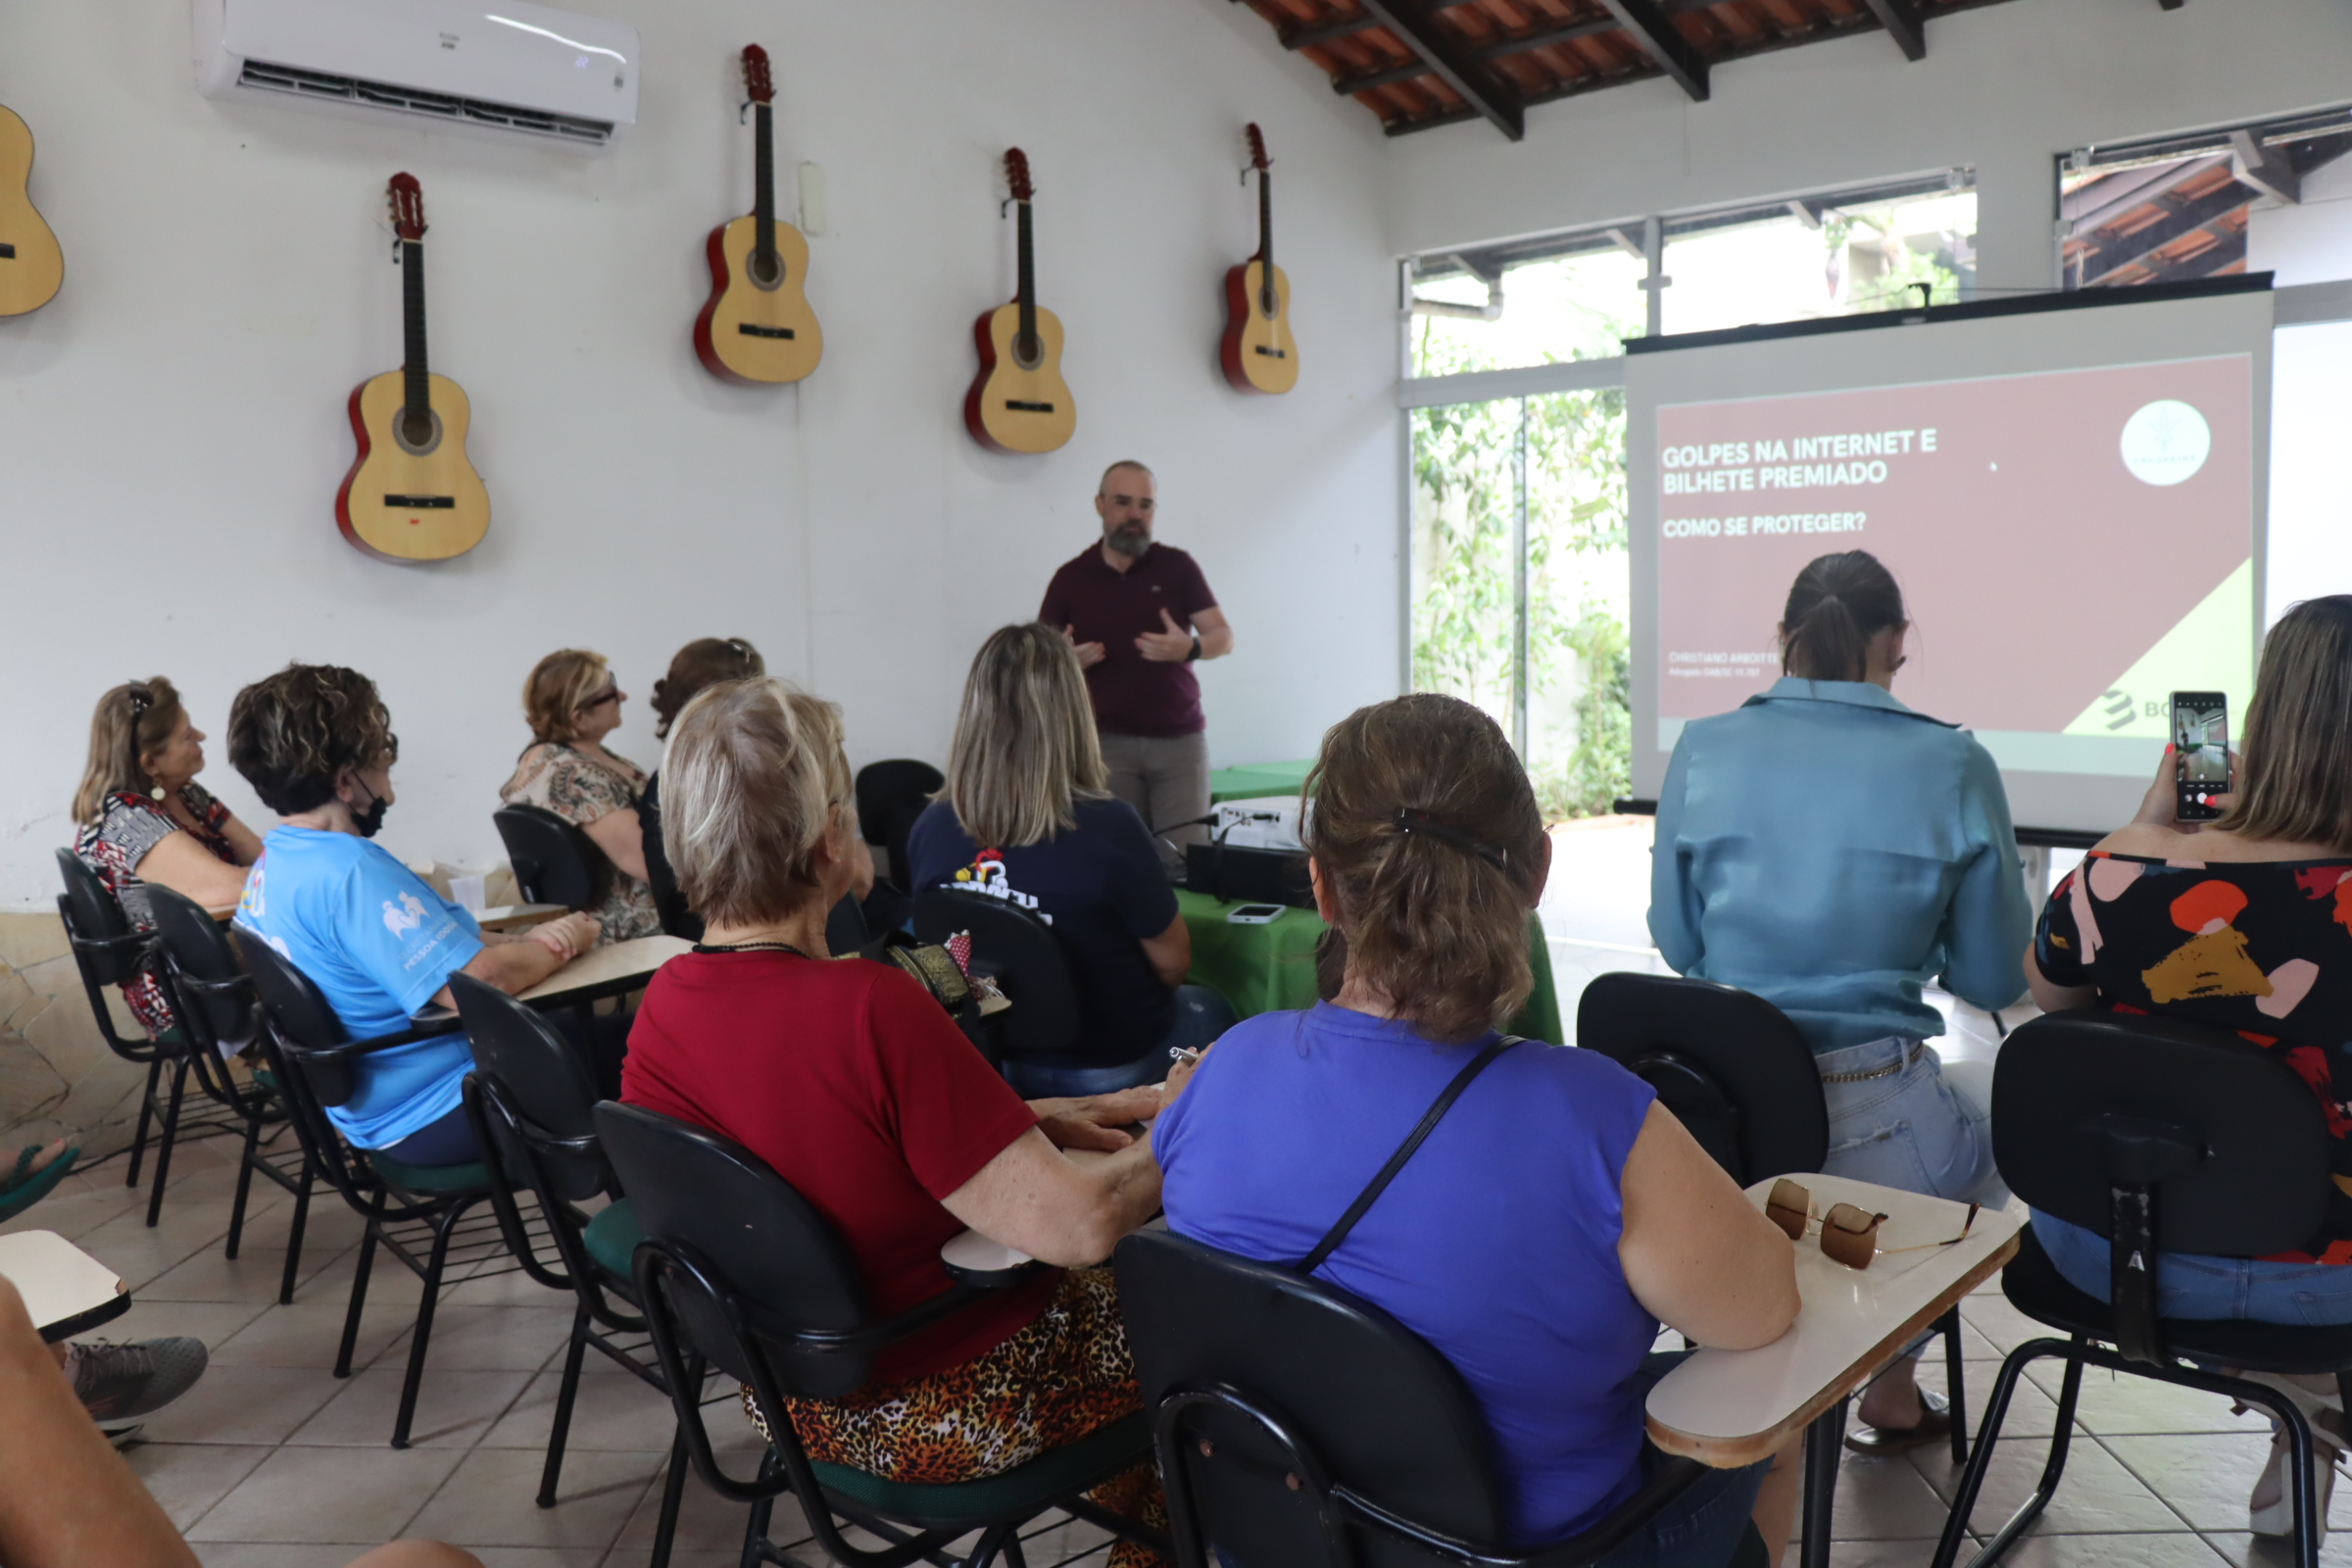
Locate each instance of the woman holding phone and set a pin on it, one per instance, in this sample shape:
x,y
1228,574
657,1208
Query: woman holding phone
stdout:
x,y
1832,851
2243,923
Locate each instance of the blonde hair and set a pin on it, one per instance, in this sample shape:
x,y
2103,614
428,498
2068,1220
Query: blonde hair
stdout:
x,y
1026,750
2295,752
557,688
132,722
1428,835
754,778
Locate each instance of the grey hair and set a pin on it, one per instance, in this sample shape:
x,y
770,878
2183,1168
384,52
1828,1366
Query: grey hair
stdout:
x,y
751,780
1103,485
1026,750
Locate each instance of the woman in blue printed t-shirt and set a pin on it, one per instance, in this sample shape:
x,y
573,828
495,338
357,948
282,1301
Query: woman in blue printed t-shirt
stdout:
x,y
1554,1218
316,745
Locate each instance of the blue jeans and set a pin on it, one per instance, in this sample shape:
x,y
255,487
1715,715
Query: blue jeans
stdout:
x,y
2197,1285
1702,1528
1925,1129
1202,1015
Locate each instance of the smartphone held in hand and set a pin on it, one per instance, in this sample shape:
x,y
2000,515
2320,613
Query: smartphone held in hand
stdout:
x,y
2201,740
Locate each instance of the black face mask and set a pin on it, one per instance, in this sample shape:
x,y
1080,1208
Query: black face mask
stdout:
x,y
370,821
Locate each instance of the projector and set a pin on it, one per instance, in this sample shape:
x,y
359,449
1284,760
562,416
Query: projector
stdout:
x,y
1264,822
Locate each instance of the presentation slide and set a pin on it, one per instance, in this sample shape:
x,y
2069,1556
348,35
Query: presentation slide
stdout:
x,y
2071,510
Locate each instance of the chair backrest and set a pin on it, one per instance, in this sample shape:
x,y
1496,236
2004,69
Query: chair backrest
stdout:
x,y
1376,1407
780,1262
303,1021
213,995
542,1074
1727,1062
891,794
2229,1136
102,937
554,862
1024,956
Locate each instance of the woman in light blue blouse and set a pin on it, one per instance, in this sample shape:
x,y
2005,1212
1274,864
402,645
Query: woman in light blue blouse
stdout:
x,y
1830,850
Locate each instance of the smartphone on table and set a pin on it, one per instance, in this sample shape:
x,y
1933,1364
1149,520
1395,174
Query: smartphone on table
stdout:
x,y
2201,738
1256,915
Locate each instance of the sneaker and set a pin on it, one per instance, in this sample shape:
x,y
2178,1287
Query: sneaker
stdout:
x,y
122,1385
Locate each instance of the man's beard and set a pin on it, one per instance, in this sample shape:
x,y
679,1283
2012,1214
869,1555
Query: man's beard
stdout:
x,y
1130,539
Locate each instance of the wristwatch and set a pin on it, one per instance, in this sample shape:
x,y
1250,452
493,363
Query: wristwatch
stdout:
x,y
1195,653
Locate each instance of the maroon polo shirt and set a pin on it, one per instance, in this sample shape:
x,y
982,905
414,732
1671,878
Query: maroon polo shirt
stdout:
x,y
1131,695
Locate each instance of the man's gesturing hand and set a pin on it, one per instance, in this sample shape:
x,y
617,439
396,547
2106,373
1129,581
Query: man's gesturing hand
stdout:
x,y
1088,653
1171,647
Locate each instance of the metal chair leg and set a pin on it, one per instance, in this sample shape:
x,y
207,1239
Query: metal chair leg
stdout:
x,y
754,1530
139,1138
673,1494
302,1215
995,1540
1956,1389
420,1337
237,1207
163,1146
2070,1390
1824,1443
567,1390
359,1301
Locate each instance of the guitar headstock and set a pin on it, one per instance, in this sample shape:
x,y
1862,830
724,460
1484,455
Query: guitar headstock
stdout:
x,y
1016,174
1258,149
756,79
408,207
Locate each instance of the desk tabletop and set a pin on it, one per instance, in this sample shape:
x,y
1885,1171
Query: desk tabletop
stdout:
x,y
506,916
65,1289
1734,1407
972,1257
615,966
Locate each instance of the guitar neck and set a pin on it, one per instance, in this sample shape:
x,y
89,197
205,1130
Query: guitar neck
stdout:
x,y
1028,294
1265,219
763,195
411,265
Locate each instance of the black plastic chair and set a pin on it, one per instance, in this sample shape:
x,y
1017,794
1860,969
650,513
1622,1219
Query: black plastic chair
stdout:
x,y
1029,965
2160,1137
740,1271
531,1099
426,1216
213,998
1299,1426
109,953
891,794
554,862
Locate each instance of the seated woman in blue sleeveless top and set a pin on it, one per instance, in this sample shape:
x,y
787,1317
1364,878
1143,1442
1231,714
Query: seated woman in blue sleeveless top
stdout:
x,y
1556,1215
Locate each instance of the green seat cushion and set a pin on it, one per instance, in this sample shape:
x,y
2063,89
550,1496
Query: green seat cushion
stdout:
x,y
428,1178
1102,1452
612,1238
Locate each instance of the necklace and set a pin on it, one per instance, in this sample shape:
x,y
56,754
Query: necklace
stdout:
x,y
749,947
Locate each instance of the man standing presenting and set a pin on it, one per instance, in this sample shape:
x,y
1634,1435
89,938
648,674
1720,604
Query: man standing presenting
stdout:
x,y
1141,613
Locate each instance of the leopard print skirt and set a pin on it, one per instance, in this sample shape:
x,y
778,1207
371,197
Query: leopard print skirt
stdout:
x,y
1064,1376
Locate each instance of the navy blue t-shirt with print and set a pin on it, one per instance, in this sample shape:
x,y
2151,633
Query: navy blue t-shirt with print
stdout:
x,y
1099,887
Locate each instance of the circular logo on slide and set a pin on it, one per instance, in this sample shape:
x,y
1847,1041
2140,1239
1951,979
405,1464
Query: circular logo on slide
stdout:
x,y
2166,442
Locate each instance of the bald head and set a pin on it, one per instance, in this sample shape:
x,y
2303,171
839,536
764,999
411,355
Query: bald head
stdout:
x,y
1126,466
1126,502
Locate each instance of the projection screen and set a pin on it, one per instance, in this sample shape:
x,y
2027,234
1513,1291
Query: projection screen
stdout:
x,y
2071,499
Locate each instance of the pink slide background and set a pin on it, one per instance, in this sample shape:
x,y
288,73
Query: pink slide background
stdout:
x,y
2035,566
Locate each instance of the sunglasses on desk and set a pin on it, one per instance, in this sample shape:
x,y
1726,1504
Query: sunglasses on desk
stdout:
x,y
1848,1235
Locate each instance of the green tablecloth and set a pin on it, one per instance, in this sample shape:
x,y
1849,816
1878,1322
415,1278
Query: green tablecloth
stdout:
x,y
1271,968
1257,779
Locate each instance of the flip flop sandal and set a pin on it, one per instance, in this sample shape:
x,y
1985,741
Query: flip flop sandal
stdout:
x,y
1935,1426
26,1187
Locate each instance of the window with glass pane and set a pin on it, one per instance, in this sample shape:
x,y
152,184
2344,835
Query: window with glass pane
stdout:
x,y
1577,304
1894,246
2272,197
1519,581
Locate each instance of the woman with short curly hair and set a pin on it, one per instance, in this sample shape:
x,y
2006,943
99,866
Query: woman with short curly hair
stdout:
x,y
316,743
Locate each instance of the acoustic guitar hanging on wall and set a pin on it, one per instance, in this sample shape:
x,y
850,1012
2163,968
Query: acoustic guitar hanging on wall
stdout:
x,y
1020,402
757,328
31,266
1258,351
412,493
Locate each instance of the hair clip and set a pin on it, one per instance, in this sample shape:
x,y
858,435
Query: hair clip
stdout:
x,y
139,697
1409,820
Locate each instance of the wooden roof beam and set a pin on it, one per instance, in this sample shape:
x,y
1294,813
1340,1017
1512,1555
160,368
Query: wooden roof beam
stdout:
x,y
1323,33
1451,62
1906,24
1351,82
1659,38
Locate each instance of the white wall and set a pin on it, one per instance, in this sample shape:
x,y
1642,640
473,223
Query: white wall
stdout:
x,y
2003,88
172,429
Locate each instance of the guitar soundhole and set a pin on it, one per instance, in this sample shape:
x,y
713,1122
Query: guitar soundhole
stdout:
x,y
766,268
416,436
8,253
1027,352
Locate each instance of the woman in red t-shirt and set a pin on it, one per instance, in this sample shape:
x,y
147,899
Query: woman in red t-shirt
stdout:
x,y
853,1084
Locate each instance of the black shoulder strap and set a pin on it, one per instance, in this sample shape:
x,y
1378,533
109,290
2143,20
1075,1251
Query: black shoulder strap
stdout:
x,y
1404,1151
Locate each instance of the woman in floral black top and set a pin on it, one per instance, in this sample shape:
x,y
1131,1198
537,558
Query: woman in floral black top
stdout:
x,y
573,702
2242,924
143,818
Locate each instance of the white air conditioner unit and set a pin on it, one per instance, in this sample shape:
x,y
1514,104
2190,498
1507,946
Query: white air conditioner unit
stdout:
x,y
498,65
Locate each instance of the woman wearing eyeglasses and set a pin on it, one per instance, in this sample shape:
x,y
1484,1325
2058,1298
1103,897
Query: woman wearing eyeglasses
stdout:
x,y
144,818
572,702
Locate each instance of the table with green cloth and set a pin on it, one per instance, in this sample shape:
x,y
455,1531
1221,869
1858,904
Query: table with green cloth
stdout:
x,y
1257,780
1270,967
